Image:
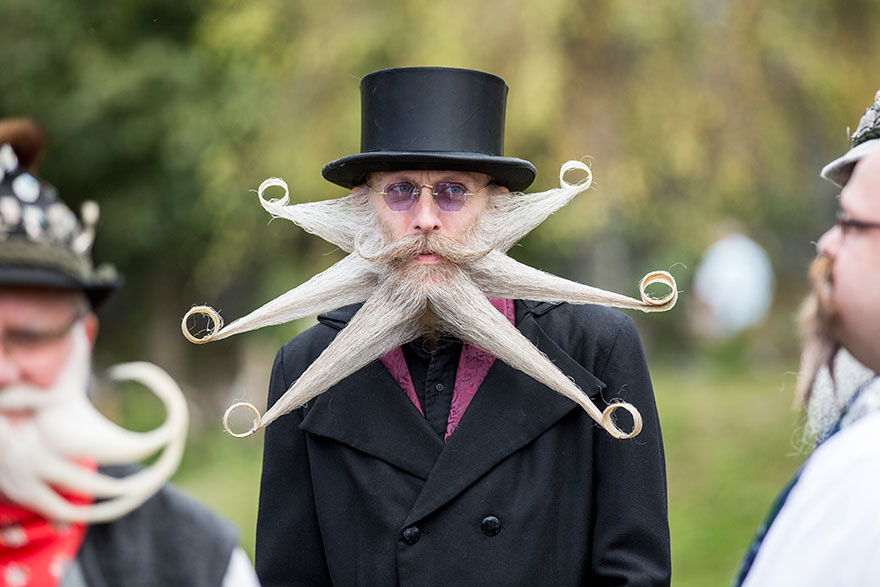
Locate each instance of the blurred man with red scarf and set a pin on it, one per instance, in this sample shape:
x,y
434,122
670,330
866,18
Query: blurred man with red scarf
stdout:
x,y
73,511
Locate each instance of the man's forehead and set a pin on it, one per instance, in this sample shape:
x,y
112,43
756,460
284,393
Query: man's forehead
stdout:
x,y
39,298
862,191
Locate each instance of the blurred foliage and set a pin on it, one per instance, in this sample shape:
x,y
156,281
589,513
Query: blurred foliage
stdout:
x,y
696,115
732,441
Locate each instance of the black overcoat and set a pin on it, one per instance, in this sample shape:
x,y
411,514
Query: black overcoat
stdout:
x,y
357,489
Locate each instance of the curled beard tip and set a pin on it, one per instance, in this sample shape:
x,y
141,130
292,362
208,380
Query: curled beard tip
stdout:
x,y
613,429
274,182
160,383
249,407
663,303
213,331
579,165
357,246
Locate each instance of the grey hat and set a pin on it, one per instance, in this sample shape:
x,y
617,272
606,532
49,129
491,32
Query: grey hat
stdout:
x,y
42,243
864,141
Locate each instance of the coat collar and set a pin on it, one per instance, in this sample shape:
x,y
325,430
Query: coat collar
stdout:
x,y
368,411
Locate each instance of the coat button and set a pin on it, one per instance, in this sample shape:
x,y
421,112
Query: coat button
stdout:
x,y
411,535
490,525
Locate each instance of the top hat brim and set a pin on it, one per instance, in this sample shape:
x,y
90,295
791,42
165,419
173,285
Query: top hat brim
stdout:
x,y
510,172
839,171
44,277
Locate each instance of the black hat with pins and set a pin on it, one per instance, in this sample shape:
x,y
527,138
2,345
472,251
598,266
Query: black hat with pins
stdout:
x,y
42,243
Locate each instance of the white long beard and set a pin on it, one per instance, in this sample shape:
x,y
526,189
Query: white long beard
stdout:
x,y
44,431
401,303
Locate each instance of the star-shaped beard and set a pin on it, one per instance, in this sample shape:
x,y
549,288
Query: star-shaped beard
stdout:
x,y
403,300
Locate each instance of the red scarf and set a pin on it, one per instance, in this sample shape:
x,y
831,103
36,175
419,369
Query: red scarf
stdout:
x,y
35,552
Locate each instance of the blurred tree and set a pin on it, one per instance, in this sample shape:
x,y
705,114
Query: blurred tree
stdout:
x,y
170,113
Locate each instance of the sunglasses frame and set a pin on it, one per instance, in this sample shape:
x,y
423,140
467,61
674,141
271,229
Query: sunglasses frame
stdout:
x,y
416,193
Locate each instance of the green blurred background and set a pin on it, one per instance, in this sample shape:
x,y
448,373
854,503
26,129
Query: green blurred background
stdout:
x,y
698,115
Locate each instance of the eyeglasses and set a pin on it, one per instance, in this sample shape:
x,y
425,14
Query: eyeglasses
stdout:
x,y
449,195
851,224
25,343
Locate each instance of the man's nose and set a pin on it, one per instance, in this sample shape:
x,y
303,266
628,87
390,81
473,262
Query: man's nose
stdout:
x,y
830,241
426,212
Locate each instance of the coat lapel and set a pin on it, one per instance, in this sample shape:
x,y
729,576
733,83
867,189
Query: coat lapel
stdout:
x,y
509,410
368,411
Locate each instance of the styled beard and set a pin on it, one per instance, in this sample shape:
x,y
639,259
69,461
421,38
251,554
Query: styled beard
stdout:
x,y
831,392
817,317
403,300
829,375
44,432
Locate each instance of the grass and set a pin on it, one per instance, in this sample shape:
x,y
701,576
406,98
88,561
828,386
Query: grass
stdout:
x,y
729,437
729,441
224,474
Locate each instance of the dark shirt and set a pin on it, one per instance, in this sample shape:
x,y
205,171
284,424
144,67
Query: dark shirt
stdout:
x,y
169,540
432,367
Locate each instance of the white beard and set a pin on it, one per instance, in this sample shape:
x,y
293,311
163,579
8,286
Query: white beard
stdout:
x,y
829,397
43,432
401,302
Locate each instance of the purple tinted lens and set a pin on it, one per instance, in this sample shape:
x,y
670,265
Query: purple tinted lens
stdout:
x,y
400,195
450,196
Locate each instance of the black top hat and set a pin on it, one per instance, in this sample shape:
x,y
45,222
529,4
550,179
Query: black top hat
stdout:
x,y
42,244
432,118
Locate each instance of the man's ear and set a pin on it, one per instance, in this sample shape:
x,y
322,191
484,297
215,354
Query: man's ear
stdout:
x,y
90,321
500,197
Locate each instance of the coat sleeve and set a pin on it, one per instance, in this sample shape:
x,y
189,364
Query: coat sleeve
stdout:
x,y
289,549
631,542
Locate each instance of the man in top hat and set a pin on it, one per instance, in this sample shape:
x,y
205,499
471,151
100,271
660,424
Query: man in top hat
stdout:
x,y
73,512
438,464
825,526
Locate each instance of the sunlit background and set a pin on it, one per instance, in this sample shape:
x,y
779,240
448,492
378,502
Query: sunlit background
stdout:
x,y
701,119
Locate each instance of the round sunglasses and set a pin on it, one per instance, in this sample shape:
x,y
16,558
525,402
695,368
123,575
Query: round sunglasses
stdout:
x,y
449,195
